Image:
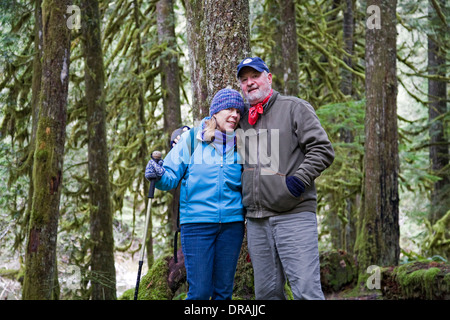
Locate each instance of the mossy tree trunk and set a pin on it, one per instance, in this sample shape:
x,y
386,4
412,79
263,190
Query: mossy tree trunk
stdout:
x,y
348,229
40,281
437,97
218,38
170,85
197,57
289,47
227,42
103,273
35,93
378,238
170,78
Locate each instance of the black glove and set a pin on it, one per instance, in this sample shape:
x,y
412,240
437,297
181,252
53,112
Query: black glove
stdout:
x,y
295,186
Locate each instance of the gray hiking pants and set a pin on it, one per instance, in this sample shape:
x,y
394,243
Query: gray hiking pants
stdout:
x,y
285,246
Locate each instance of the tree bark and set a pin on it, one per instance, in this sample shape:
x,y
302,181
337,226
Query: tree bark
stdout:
x,y
378,239
197,58
103,271
437,97
170,85
170,79
218,39
349,230
35,94
289,47
348,33
227,42
40,282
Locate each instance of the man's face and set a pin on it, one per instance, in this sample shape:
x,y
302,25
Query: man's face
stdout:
x,y
255,85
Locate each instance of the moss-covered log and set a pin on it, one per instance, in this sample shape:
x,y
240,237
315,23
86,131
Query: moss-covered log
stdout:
x,y
417,280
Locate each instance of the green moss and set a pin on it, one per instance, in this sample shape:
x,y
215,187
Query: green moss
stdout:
x,y
41,155
127,295
153,285
9,274
337,270
421,280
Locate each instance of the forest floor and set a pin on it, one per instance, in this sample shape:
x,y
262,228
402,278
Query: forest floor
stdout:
x,y
344,295
126,272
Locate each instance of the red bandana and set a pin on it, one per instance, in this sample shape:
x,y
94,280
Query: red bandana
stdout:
x,y
257,109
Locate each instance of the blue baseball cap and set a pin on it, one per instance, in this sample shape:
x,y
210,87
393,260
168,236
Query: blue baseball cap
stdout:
x,y
256,63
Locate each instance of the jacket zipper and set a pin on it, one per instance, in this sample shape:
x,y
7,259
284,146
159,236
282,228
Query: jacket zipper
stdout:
x,y
220,188
257,176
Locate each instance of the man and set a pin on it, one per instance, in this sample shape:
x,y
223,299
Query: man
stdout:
x,y
280,195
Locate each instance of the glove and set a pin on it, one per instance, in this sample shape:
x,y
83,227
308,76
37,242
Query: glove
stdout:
x,y
295,185
154,169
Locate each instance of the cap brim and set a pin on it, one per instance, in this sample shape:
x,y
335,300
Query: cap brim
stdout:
x,y
250,66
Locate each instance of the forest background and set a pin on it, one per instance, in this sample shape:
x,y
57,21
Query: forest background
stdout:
x,y
75,137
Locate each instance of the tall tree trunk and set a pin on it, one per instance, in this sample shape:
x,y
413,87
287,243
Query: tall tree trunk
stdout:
x,y
273,20
348,34
170,85
289,47
227,42
349,230
35,93
218,38
437,92
102,241
40,282
170,80
197,57
143,154
378,239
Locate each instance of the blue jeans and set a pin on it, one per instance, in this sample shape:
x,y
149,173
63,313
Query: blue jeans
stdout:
x,y
211,252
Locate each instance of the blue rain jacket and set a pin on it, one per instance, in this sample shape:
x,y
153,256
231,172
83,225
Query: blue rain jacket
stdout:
x,y
210,179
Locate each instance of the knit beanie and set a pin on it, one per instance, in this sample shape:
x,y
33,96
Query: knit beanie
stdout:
x,y
226,99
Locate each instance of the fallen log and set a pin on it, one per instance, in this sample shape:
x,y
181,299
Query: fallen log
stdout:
x,y
416,280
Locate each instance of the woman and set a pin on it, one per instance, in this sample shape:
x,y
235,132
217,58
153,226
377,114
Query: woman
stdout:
x,y
206,162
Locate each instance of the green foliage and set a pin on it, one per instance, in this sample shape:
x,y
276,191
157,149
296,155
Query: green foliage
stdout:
x,y
340,185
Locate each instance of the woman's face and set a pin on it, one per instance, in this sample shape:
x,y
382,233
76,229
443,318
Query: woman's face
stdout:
x,y
227,119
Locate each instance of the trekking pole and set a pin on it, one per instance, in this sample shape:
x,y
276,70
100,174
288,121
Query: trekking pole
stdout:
x,y
156,155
